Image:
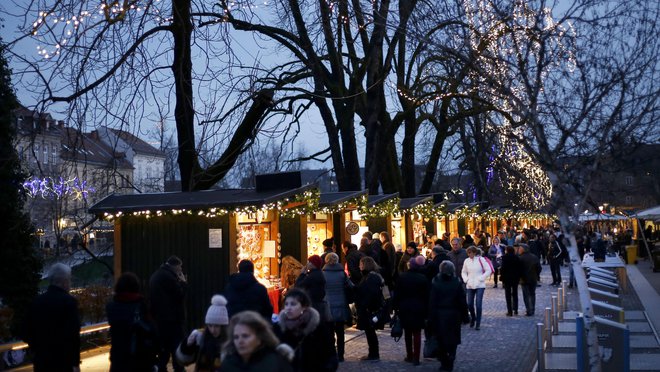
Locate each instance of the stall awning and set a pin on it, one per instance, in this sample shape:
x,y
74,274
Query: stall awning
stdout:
x,y
329,199
649,214
193,200
380,198
410,203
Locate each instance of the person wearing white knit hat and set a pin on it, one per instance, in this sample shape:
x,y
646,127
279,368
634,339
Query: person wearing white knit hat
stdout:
x,y
203,346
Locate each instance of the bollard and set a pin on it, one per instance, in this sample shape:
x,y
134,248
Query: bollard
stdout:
x,y
563,300
560,305
539,347
555,321
547,320
581,345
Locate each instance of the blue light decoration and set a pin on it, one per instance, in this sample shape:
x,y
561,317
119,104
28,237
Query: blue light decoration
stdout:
x,y
57,189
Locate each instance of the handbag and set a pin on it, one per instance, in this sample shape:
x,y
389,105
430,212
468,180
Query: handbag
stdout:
x,y
386,292
431,347
349,290
397,328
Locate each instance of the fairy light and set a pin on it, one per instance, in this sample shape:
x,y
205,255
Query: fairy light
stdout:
x,y
49,188
305,203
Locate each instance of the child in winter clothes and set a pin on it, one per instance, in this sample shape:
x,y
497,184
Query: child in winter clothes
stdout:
x,y
203,346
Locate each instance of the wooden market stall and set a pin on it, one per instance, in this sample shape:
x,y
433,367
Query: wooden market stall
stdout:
x,y
209,230
413,223
331,219
376,216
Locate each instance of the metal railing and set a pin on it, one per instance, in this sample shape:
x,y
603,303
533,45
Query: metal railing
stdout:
x,y
18,345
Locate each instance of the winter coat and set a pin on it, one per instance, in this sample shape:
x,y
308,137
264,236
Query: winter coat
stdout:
x,y
377,252
121,313
511,269
205,352
556,250
411,298
166,295
433,266
495,253
447,310
244,292
458,257
335,282
313,282
405,258
353,257
312,341
536,248
389,249
368,298
53,331
263,360
475,272
531,269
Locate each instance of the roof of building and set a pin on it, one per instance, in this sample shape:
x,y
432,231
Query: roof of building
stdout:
x,y
83,147
193,200
137,144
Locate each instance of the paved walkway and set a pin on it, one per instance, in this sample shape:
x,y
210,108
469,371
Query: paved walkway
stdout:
x,y
503,343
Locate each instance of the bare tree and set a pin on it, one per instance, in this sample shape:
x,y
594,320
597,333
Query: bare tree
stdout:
x,y
115,62
572,86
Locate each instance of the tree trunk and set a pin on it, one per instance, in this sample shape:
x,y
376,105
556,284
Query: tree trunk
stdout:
x,y
246,132
184,114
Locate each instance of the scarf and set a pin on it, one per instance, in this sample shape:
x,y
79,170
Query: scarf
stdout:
x,y
298,325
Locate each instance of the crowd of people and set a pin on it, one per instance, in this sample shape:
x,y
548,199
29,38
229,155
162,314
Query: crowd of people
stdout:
x,y
431,294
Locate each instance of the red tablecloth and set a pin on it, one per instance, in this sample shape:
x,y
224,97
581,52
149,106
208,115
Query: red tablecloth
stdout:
x,y
274,296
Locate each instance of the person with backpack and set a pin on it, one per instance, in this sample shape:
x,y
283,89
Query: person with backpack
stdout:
x,y
204,346
133,342
475,272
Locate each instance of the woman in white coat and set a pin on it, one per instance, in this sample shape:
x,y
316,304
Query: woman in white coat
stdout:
x,y
475,272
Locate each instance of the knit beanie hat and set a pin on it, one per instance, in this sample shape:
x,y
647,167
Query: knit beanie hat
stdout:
x,y
316,261
417,262
217,313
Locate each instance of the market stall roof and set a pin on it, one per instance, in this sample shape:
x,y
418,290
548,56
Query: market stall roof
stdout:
x,y
333,198
409,203
652,213
453,207
585,217
193,199
375,199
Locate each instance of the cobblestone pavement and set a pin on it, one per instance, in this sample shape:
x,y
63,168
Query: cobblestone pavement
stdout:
x,y
503,343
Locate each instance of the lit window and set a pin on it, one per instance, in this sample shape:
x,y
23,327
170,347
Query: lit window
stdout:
x,y
36,153
45,148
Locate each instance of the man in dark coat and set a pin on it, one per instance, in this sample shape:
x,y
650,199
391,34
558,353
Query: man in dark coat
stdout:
x,y
167,287
457,256
353,257
433,266
444,242
556,251
447,310
510,273
244,292
53,325
531,269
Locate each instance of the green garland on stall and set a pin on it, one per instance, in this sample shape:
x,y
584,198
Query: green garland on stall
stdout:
x,y
386,208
